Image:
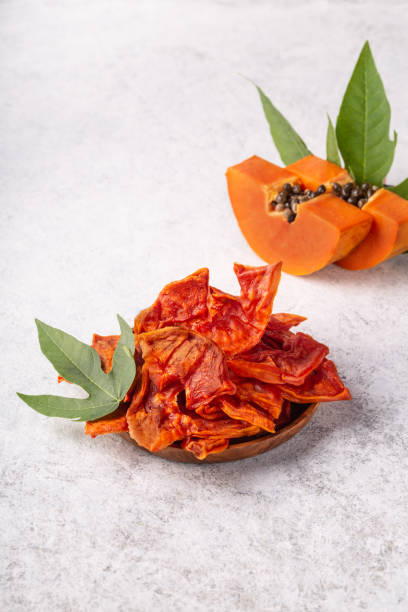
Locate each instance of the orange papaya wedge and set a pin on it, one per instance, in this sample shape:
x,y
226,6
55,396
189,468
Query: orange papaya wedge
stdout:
x,y
325,228
388,235
314,171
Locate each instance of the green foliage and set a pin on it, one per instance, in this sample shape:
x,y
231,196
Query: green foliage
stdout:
x,y
363,124
80,364
332,149
288,142
401,189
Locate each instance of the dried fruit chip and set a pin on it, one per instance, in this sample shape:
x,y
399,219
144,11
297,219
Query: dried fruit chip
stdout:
x,y
158,422
214,367
281,357
223,428
266,396
211,412
254,414
193,363
178,303
256,363
112,423
105,347
186,371
235,324
277,330
201,447
322,385
284,320
300,354
141,391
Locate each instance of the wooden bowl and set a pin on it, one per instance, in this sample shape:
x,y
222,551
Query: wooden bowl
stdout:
x,y
239,450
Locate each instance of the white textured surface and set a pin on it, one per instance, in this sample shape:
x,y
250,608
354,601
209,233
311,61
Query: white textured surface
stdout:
x,y
117,122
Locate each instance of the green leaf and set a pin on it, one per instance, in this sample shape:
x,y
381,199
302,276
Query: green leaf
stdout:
x,y
401,189
332,149
363,124
80,364
288,142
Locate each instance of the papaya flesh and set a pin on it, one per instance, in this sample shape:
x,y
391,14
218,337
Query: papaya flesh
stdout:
x,y
270,176
325,228
314,171
388,235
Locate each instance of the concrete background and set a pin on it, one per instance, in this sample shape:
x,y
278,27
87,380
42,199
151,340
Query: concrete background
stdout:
x,y
117,122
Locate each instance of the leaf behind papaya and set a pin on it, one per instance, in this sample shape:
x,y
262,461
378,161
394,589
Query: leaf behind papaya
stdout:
x,y
332,149
401,189
363,124
287,141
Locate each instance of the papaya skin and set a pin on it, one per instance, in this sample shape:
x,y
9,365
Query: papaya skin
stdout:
x,y
388,235
325,229
314,171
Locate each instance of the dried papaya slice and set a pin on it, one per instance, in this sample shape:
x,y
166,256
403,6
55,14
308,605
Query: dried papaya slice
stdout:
x,y
201,447
225,368
325,228
284,320
234,427
256,363
281,357
388,235
277,331
238,323
299,355
211,412
158,422
195,364
314,171
111,424
235,324
178,303
179,363
105,347
141,392
254,414
322,385
267,396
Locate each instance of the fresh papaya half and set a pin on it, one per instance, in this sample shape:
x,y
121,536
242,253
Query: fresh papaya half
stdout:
x,y
325,228
388,235
314,171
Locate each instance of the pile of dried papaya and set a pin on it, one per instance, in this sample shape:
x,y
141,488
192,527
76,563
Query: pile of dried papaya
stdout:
x,y
200,369
314,212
